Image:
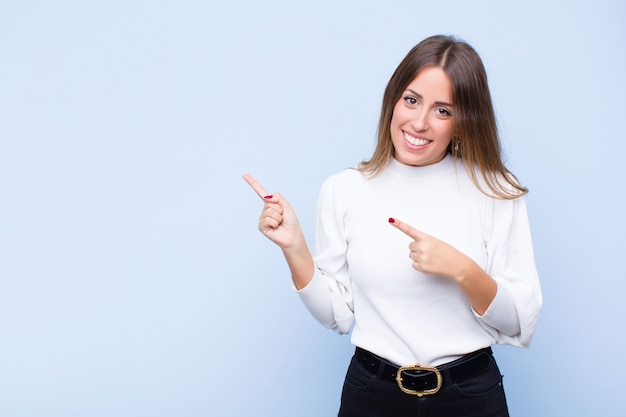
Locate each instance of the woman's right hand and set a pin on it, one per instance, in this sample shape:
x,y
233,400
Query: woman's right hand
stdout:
x,y
278,221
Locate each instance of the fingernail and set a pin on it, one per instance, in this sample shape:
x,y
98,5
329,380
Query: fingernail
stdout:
x,y
392,220
267,197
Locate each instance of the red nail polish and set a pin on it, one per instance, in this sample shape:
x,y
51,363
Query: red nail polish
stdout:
x,y
392,220
267,197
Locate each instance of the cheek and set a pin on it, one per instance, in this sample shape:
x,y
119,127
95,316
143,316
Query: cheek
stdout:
x,y
445,130
398,118
397,121
394,119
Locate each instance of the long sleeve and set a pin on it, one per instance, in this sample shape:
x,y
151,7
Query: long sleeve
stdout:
x,y
512,316
328,297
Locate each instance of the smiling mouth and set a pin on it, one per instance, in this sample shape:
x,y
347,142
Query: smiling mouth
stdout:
x,y
416,141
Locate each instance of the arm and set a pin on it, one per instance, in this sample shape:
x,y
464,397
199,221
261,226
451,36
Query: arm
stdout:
x,y
479,288
511,263
300,263
432,256
506,296
323,284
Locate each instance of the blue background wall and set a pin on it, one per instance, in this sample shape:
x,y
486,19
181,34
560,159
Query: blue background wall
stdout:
x,y
133,281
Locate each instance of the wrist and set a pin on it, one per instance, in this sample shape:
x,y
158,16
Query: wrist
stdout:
x,y
466,268
300,263
294,245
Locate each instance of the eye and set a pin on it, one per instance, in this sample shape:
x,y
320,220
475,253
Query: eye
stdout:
x,y
442,112
410,100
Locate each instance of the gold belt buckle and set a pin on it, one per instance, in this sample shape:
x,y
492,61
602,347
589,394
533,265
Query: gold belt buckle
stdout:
x,y
419,368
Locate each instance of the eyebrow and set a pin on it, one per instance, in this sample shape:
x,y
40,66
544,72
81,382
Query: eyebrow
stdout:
x,y
439,103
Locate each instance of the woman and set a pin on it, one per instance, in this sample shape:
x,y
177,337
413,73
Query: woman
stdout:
x,y
423,326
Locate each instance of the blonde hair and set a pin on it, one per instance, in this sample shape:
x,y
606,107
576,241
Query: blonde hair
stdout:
x,y
475,138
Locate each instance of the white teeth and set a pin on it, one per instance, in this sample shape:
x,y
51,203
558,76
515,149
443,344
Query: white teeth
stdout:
x,y
415,141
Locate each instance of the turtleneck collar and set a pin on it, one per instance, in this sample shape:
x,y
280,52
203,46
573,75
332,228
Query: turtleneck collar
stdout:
x,y
429,172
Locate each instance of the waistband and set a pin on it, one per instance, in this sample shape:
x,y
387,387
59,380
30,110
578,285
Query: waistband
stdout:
x,y
424,380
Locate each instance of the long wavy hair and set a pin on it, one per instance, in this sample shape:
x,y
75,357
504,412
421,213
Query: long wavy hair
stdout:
x,y
475,138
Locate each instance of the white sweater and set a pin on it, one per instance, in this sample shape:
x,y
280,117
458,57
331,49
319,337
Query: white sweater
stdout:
x,y
364,275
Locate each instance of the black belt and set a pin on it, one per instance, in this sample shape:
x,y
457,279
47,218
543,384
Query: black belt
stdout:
x,y
424,380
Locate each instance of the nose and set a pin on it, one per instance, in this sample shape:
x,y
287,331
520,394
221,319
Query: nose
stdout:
x,y
420,119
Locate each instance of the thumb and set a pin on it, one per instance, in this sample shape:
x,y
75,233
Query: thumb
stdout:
x,y
406,229
278,199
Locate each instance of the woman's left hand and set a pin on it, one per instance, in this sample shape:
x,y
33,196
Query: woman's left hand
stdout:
x,y
431,255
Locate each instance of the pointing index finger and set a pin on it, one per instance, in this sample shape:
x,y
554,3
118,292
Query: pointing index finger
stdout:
x,y
256,186
405,228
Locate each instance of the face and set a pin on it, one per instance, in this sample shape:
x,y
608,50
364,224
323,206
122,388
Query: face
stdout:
x,y
421,125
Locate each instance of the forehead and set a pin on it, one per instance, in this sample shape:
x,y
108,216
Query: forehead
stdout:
x,y
432,83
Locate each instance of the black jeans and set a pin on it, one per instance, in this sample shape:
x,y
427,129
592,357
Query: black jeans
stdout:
x,y
365,395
